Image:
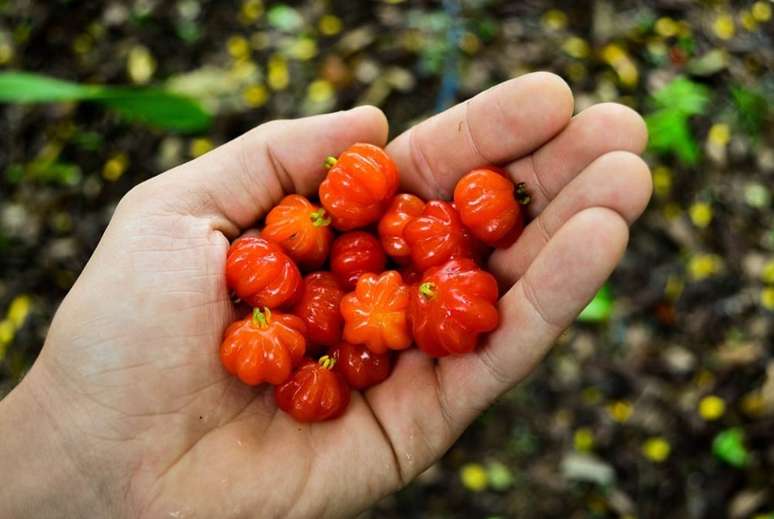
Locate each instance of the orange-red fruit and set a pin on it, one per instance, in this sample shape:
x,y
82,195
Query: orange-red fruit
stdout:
x,y
318,307
263,347
452,306
261,274
375,313
361,367
402,210
314,393
353,254
302,228
359,186
437,235
487,206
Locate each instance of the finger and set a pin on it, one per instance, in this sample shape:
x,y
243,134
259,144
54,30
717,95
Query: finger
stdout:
x,y
500,124
597,130
242,179
618,180
564,277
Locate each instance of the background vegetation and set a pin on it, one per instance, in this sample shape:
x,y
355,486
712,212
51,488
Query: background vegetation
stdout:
x,y
659,403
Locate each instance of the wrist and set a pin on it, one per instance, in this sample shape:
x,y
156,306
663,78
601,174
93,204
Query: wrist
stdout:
x,y
40,477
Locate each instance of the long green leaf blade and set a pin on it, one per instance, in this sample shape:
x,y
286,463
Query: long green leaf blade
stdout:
x,y
156,107
24,87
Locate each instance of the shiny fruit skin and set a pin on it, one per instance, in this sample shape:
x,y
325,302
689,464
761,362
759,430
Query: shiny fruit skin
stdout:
x,y
375,313
487,206
261,274
452,305
361,367
263,347
302,229
437,236
402,210
318,307
314,393
359,186
353,254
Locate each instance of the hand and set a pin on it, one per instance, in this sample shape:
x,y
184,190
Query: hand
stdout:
x,y
128,412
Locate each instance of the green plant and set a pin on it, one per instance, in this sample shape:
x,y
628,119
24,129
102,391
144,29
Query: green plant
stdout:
x,y
150,105
599,308
669,121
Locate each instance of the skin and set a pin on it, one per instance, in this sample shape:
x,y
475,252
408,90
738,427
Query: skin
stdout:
x,y
128,413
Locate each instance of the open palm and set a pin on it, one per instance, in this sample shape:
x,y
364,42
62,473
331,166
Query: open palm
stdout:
x,y
130,376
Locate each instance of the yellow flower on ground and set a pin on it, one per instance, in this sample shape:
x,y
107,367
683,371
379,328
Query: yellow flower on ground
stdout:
x,y
723,26
251,11
279,76
319,91
583,439
702,266
255,96
747,20
576,47
115,167
656,449
662,180
238,47
19,309
555,19
329,25
200,146
303,49
620,410
767,274
140,64
719,134
666,27
7,331
473,477
623,64
761,11
767,298
712,407
701,214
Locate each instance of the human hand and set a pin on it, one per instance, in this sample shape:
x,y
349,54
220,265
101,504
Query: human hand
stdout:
x,y
128,411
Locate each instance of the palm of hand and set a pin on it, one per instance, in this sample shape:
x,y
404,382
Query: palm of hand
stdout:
x,y
134,344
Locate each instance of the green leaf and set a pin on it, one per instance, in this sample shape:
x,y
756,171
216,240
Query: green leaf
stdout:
x,y
23,87
751,109
729,446
156,107
682,95
153,106
284,18
600,308
669,132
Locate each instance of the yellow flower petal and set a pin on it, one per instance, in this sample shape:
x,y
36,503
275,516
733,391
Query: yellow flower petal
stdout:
x,y
712,407
140,64
19,309
620,410
666,27
656,449
701,214
115,167
583,439
723,26
473,477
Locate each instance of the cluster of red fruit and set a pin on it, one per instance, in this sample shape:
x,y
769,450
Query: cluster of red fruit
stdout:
x,y
356,314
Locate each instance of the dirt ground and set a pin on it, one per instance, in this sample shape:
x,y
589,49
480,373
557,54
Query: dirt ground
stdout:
x,y
660,406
